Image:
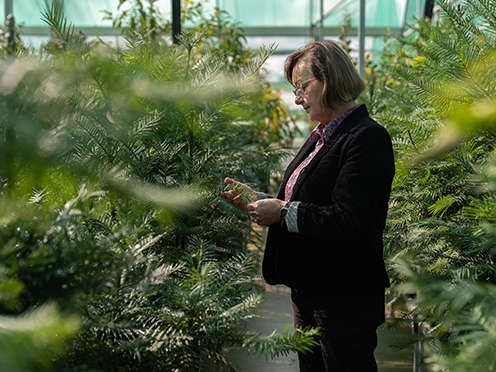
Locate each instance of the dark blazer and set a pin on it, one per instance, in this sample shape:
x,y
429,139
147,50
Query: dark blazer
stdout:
x,y
343,195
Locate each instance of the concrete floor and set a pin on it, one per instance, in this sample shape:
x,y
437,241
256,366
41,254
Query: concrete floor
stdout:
x,y
276,314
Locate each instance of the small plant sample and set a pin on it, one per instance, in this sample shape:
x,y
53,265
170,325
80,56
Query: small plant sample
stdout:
x,y
246,196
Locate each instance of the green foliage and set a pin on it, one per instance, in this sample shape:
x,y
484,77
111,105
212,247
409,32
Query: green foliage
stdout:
x,y
437,99
142,17
111,162
62,252
219,33
273,127
239,188
63,37
273,345
54,16
30,341
383,91
460,318
181,317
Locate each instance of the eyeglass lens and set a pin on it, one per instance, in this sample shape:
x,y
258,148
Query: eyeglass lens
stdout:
x,y
300,91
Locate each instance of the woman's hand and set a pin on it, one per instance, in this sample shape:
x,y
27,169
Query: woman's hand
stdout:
x,y
266,211
237,199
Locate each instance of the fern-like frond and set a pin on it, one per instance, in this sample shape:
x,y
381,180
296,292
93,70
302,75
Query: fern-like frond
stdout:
x,y
261,57
398,343
53,15
291,340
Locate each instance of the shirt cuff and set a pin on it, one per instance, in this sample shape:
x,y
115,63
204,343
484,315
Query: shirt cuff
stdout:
x,y
292,217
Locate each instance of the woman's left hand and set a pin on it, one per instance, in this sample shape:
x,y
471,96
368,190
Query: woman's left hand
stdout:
x,y
266,211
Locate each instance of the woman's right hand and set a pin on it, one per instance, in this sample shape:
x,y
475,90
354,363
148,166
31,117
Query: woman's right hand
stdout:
x,y
237,199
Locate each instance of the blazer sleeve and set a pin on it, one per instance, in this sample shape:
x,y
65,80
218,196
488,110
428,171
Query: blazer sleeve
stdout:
x,y
361,190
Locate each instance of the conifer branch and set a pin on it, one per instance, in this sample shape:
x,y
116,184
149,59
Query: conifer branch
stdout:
x,y
53,15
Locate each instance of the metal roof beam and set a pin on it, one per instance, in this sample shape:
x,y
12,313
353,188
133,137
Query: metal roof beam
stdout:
x,y
88,31
305,31
328,13
249,31
8,6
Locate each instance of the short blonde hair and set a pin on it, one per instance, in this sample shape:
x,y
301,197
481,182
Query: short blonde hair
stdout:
x,y
332,66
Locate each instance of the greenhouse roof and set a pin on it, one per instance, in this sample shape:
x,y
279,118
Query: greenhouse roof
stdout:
x,y
261,19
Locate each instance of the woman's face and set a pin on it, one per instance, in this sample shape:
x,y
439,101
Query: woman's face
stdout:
x,y
309,94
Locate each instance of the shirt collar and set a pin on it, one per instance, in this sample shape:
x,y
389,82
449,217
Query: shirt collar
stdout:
x,y
325,131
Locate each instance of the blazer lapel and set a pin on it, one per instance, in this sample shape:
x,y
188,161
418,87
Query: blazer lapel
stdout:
x,y
307,148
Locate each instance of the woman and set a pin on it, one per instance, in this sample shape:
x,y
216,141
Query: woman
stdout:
x,y
326,223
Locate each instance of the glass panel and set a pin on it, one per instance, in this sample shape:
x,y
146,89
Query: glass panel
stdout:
x,y
83,13
253,13
89,13
378,13
274,13
28,12
414,10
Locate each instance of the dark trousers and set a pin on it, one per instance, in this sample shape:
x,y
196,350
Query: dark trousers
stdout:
x,y
348,335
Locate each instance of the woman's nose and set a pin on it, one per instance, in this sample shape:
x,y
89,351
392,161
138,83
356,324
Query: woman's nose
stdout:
x,y
298,99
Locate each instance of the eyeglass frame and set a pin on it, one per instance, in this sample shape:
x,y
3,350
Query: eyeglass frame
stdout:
x,y
299,91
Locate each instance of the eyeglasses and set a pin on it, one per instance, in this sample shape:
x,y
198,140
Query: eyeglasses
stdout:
x,y
300,88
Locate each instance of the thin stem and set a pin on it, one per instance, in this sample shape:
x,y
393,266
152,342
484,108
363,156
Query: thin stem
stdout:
x,y
412,141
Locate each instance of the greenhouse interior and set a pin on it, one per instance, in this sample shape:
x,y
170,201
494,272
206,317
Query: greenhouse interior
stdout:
x,y
179,179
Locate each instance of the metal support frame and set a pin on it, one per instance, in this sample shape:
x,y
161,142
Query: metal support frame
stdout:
x,y
360,31
249,31
321,20
304,31
310,20
418,329
328,13
176,20
361,40
428,9
418,364
9,7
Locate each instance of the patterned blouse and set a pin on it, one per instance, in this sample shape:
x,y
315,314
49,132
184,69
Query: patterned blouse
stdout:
x,y
325,133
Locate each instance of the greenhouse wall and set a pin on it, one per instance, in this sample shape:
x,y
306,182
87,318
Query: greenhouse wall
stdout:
x,y
289,23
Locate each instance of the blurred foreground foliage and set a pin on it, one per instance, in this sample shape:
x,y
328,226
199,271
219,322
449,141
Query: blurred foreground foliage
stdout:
x,y
116,252
435,91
